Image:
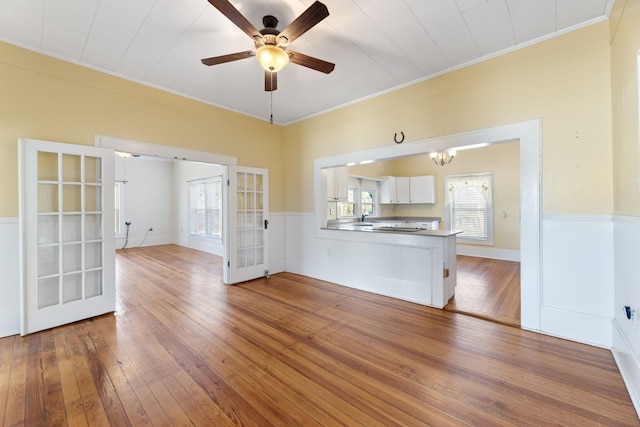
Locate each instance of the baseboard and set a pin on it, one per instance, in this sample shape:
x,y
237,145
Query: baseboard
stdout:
x,y
628,365
488,252
576,326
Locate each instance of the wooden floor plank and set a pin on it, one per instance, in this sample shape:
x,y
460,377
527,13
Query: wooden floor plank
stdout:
x,y
184,349
6,352
74,408
488,289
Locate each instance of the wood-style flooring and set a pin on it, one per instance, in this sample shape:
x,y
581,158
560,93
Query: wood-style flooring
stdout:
x,y
184,349
487,288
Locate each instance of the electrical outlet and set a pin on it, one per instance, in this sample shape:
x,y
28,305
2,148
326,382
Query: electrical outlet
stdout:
x,y
150,228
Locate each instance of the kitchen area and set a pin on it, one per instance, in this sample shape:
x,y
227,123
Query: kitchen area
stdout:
x,y
425,253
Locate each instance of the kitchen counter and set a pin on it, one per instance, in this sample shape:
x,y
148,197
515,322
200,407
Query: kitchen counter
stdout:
x,y
399,230
400,258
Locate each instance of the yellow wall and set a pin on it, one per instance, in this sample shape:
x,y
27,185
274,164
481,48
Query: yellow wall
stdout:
x,y
49,99
624,87
564,81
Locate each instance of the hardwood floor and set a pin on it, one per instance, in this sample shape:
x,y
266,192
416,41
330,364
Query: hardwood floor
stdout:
x,y
183,349
488,289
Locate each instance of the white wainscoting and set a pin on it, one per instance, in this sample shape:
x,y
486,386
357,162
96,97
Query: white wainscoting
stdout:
x,y
9,277
626,333
277,239
578,278
393,265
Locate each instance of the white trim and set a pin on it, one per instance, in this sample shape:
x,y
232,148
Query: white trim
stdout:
x,y
577,326
9,220
164,151
578,217
632,221
489,252
628,365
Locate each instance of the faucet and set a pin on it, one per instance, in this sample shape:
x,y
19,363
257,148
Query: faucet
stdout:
x,y
364,215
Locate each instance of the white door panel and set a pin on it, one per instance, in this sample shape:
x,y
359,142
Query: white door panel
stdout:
x,y
248,242
67,233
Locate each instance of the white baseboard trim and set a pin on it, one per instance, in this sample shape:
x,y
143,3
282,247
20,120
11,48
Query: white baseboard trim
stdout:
x,y
488,252
628,365
575,326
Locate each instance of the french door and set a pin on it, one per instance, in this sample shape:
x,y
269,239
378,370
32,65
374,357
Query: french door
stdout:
x,y
67,233
247,256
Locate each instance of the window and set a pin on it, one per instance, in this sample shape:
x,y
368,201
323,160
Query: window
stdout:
x,y
361,198
469,207
119,209
206,207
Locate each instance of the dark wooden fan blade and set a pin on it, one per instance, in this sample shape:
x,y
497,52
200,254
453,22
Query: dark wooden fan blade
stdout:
x,y
311,62
234,15
228,58
303,23
270,81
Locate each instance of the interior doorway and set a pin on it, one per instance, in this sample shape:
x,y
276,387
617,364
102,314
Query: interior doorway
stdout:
x,y
488,289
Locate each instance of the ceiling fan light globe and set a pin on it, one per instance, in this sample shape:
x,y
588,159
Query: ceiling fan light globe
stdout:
x,y
272,58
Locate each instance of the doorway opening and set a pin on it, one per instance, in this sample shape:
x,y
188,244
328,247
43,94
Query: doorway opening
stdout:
x,y
528,134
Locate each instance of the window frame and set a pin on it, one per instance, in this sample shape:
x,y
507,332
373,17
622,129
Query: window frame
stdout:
x,y
357,186
208,233
481,178
119,209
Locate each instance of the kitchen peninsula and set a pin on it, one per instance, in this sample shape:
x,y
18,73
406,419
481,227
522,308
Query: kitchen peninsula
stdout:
x,y
405,257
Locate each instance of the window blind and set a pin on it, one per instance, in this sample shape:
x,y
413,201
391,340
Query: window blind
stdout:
x,y
469,205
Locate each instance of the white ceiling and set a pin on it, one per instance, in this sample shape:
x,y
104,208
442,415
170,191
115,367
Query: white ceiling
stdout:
x,y
377,45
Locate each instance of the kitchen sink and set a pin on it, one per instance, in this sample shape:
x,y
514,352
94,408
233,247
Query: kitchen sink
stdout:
x,y
410,229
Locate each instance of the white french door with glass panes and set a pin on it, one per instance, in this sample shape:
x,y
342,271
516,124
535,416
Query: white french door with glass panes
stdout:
x,y
248,248
67,233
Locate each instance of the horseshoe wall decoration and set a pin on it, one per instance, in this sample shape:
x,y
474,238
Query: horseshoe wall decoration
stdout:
x,y
395,138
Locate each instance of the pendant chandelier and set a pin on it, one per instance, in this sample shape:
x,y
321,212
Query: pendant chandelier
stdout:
x,y
442,158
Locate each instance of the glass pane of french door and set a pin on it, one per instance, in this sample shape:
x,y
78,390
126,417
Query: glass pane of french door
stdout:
x,y
69,222
250,225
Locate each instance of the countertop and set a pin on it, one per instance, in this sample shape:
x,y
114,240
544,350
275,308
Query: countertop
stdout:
x,y
393,230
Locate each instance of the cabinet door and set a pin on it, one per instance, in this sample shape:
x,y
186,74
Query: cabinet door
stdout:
x,y
402,190
336,182
330,184
423,189
388,190
341,180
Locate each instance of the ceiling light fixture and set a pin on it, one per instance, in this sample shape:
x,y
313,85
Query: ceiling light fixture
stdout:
x,y
443,158
272,58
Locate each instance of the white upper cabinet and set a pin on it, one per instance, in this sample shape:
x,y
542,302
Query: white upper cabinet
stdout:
x,y
422,189
336,182
404,190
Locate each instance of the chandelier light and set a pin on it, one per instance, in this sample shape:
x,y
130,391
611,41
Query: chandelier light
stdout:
x,y
442,158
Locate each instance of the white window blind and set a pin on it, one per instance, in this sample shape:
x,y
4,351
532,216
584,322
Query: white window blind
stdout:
x,y
469,206
206,207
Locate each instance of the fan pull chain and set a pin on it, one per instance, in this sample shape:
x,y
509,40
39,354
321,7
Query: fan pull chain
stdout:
x,y
271,95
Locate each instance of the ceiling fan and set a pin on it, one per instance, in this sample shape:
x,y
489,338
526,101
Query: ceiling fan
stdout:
x,y
271,44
